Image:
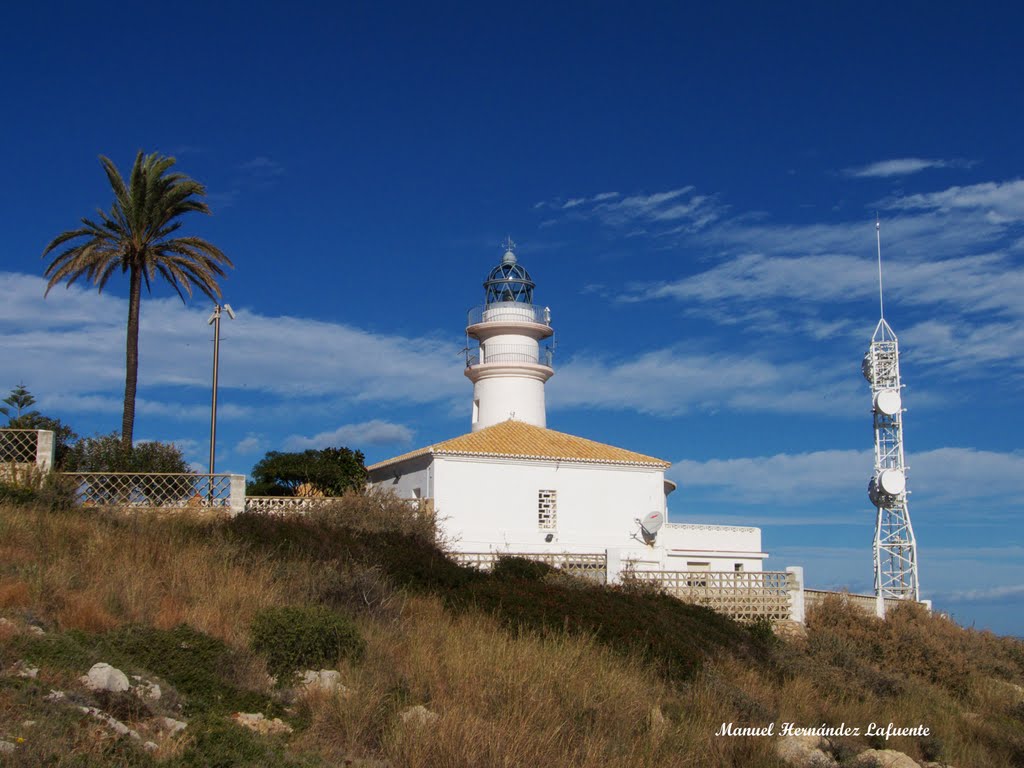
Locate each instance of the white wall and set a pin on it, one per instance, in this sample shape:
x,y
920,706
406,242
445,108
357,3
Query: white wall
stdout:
x,y
724,546
492,503
402,479
501,394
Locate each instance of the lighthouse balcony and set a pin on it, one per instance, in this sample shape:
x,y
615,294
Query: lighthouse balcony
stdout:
x,y
511,353
509,312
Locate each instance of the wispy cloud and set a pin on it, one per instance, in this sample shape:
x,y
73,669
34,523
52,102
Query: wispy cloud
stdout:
x,y
985,594
1000,202
946,476
669,212
262,167
902,166
672,381
373,432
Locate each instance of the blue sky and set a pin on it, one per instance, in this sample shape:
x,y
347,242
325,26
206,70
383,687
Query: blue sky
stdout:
x,y
693,189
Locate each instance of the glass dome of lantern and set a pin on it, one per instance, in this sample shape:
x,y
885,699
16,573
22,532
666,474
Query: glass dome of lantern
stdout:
x,y
509,281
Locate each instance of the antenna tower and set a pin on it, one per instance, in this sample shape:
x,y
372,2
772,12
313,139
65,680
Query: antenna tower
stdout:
x,y
895,549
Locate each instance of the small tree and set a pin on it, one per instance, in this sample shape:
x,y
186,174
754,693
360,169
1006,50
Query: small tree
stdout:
x,y
19,399
330,471
107,453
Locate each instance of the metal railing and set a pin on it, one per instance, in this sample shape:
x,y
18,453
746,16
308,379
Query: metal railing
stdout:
x,y
744,595
510,353
156,490
509,312
590,565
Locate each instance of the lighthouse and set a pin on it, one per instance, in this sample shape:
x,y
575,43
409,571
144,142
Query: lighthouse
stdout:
x,y
509,367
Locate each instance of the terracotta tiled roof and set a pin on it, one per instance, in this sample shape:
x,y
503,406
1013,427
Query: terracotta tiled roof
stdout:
x,y
517,439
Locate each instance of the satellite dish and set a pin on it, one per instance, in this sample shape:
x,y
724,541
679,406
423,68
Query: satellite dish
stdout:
x,y
888,402
650,524
886,486
867,367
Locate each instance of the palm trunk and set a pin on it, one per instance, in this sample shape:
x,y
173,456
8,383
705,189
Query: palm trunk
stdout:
x,y
131,375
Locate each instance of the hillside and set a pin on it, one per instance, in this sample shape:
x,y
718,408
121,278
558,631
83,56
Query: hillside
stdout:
x,y
521,668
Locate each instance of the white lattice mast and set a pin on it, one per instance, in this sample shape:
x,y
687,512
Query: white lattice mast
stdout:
x,y
895,549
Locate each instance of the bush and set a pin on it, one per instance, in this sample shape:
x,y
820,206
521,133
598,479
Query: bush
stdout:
x,y
521,568
106,453
297,638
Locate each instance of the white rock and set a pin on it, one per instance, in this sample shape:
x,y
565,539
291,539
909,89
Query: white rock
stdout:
x,y
103,677
258,723
171,725
418,716
54,696
803,752
150,746
34,630
886,758
6,747
327,680
111,722
21,669
28,723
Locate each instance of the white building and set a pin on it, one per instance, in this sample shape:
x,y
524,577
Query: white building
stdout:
x,y
513,485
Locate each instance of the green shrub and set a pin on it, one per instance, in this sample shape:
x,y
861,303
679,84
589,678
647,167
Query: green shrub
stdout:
x,y
296,638
521,568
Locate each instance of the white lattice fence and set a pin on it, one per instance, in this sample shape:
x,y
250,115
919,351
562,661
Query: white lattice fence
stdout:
x,y
279,505
589,565
25,449
867,603
744,596
158,490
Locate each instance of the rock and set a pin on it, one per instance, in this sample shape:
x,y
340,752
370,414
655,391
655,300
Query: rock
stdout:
x,y
54,696
103,677
34,630
21,669
803,752
150,746
171,725
6,747
28,723
326,680
885,758
258,723
418,716
111,722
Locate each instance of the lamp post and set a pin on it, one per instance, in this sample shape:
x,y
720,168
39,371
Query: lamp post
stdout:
x,y
215,322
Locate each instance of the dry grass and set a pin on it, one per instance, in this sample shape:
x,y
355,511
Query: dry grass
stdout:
x,y
503,697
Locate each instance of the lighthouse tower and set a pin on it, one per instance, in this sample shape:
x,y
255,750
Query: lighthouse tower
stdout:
x,y
509,367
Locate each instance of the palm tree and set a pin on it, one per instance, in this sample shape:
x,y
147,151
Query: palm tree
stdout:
x,y
136,237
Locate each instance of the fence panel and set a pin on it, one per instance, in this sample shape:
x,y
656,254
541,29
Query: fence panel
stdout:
x,y
744,596
151,489
589,565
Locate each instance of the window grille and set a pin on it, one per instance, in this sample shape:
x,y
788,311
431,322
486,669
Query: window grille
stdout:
x,y
547,510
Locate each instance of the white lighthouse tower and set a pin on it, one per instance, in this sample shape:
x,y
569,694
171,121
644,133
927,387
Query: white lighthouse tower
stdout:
x,y
509,367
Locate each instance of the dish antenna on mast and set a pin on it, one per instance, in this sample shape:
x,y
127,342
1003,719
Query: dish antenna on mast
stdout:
x,y
894,548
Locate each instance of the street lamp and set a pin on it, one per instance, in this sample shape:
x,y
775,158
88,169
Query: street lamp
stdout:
x,y
215,322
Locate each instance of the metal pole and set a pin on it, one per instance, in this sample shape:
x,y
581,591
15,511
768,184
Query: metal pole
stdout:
x,y
213,405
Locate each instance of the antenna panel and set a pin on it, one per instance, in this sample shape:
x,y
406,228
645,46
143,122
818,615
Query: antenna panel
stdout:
x,y
888,402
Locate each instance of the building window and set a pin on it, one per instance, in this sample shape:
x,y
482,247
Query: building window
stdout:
x,y
738,567
547,510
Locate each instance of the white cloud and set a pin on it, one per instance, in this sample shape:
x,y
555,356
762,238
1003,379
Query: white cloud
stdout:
x,y
948,477
671,382
902,166
71,353
373,432
1001,202
250,444
986,594
681,208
